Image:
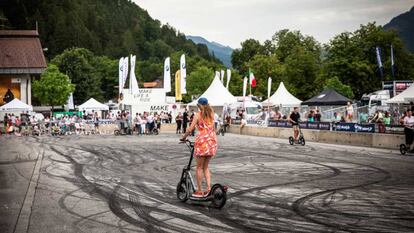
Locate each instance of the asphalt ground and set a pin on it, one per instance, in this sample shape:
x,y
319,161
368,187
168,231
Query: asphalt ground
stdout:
x,y
102,183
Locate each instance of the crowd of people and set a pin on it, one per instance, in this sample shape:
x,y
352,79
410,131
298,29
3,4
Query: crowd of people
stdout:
x,y
82,123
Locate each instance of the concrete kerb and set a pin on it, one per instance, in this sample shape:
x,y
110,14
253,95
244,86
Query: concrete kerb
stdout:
x,y
388,141
23,220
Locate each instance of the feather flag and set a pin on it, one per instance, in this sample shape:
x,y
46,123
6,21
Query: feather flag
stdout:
x,y
228,78
392,63
133,83
125,71
121,75
178,95
183,75
167,75
244,86
269,87
378,52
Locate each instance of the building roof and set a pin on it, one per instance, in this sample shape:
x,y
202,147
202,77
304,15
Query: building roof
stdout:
x,y
21,52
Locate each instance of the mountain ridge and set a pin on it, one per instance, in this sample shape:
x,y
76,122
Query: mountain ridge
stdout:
x,y
221,52
404,25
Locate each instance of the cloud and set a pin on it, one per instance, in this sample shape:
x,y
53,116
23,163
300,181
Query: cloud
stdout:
x,y
232,21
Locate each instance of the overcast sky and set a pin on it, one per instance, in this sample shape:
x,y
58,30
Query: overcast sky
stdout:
x,y
230,22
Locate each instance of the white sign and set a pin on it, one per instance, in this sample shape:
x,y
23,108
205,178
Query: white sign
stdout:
x,y
145,96
16,80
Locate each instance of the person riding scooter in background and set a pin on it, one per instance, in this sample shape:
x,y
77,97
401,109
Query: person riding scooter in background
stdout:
x,y
294,119
205,145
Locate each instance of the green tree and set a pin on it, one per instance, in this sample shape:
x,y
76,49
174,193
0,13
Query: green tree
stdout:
x,y
265,67
249,48
199,80
351,57
78,64
335,84
53,88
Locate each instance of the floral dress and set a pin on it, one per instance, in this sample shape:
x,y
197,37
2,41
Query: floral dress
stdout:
x,y
206,141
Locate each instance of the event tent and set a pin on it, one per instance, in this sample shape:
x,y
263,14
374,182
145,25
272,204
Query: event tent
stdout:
x,y
327,97
92,104
404,97
16,106
216,94
282,97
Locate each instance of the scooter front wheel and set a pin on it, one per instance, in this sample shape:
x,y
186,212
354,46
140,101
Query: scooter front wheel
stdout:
x,y
403,149
302,141
117,132
291,141
219,196
182,191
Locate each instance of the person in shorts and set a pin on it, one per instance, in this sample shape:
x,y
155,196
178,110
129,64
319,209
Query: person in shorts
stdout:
x,y
294,118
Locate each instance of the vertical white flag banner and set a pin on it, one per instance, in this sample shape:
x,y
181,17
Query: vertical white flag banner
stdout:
x,y
133,80
269,87
167,75
121,74
183,73
222,76
228,78
125,71
71,105
217,75
244,86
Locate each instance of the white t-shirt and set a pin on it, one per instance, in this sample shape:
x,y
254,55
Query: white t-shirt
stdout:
x,y
150,119
409,120
216,118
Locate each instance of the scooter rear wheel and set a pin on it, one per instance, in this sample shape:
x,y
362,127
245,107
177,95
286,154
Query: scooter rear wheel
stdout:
x,y
302,141
403,149
182,191
116,132
219,196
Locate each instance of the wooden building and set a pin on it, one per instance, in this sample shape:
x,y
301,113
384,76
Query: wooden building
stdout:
x,y
21,60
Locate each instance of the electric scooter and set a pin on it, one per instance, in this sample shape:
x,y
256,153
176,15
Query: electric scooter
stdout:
x,y
301,139
186,186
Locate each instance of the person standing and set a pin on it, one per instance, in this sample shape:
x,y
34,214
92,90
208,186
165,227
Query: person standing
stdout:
x,y
349,112
318,116
408,129
185,120
216,121
178,121
205,145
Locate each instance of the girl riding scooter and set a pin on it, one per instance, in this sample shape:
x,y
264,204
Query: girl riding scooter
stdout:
x,y
205,145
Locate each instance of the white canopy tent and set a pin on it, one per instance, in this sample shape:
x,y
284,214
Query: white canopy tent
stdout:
x,y
93,104
16,106
282,97
404,97
216,94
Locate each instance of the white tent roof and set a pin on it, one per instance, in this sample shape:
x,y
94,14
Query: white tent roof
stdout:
x,y
16,106
92,104
404,97
283,97
216,94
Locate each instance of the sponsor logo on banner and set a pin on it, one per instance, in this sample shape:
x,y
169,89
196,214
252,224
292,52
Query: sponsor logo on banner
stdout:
x,y
347,127
365,128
